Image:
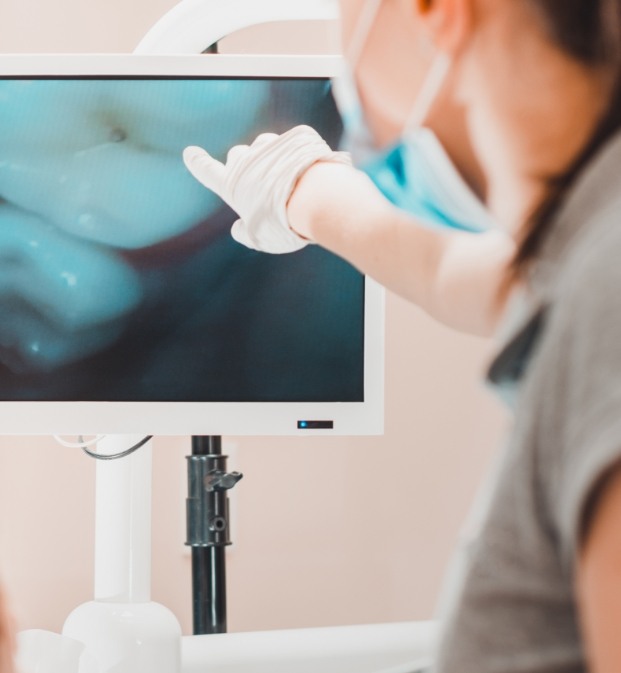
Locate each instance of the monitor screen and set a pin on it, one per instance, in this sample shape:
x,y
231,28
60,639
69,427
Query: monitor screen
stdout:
x,y
119,280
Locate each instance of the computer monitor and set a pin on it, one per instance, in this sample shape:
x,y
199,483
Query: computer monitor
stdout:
x,y
126,306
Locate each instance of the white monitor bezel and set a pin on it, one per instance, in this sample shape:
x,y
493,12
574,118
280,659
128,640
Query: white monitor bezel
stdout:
x,y
202,418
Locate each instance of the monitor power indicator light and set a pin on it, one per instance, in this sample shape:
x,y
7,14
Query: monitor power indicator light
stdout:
x,y
315,425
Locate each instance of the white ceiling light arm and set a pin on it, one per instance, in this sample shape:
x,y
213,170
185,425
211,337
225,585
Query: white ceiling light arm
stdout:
x,y
193,25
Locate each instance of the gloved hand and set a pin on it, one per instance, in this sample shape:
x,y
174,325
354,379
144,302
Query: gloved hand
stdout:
x,y
258,180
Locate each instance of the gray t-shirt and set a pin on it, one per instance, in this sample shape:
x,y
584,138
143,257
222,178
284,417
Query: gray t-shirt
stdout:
x,y
512,605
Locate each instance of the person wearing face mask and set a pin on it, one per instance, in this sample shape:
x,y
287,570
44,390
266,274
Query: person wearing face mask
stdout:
x,y
537,588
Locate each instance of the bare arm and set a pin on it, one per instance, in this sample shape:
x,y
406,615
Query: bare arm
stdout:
x,y
599,579
453,276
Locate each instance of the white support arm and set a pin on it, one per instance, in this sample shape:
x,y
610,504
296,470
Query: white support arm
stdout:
x,y
369,648
193,25
123,522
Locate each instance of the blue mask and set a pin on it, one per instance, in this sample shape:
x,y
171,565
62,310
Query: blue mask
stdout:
x,y
418,176
415,175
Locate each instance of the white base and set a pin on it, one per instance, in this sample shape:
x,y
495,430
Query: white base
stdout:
x,y
128,637
374,648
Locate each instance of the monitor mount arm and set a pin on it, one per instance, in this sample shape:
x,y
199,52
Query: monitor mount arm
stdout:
x,y
194,25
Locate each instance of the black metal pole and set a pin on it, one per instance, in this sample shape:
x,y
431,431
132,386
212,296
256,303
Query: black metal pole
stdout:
x,y
208,532
208,566
208,590
207,445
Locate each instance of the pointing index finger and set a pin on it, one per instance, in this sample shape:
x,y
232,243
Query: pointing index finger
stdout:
x,y
208,171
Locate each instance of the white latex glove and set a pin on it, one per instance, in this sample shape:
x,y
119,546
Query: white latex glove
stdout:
x,y
258,180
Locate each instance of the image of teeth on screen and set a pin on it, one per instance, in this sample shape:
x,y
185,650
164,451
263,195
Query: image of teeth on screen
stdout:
x,y
118,276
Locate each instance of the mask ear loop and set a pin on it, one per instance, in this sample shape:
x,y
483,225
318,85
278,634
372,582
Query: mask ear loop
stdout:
x,y
362,31
345,88
432,85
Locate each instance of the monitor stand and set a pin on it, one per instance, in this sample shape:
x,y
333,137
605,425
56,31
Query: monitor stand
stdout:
x,y
208,532
122,627
128,633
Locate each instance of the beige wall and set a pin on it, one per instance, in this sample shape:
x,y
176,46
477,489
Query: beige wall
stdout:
x,y
326,531
76,25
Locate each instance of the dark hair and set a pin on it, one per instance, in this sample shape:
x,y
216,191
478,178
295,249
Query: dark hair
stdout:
x,y
590,32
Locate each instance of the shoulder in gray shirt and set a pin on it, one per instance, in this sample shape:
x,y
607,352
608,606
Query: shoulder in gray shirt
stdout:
x,y
512,606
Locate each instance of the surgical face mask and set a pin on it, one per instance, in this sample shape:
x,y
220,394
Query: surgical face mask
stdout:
x,y
416,174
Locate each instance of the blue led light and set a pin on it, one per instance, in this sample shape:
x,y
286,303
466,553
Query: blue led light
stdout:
x,y
303,424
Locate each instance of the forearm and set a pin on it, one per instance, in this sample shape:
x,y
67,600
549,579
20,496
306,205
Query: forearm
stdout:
x,y
455,277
